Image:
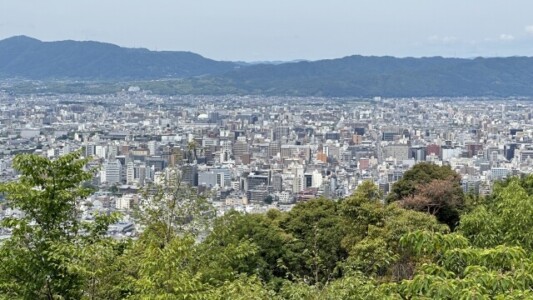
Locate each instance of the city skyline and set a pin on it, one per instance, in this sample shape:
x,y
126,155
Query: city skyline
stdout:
x,y
268,31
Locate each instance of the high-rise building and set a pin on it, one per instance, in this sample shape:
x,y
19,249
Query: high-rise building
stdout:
x,y
433,149
157,162
277,182
89,150
130,172
208,178
298,183
240,148
274,148
317,179
113,170
254,181
499,173
190,174
509,151
141,173
281,131
364,163
399,152
152,147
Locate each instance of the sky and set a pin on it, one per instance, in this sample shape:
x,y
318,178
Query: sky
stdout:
x,y
271,30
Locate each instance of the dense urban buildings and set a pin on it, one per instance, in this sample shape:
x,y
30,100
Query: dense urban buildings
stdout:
x,y
255,153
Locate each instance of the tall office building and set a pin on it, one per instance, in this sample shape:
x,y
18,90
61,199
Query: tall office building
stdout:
x,y
298,183
113,170
189,174
152,147
274,148
130,172
281,131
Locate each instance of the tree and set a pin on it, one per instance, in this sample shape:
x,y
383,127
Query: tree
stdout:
x,y
360,211
168,261
438,198
421,174
373,233
172,207
433,189
315,249
504,220
236,228
455,269
45,256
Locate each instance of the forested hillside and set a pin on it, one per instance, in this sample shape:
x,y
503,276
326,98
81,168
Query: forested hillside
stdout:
x,y
429,242
94,67
24,57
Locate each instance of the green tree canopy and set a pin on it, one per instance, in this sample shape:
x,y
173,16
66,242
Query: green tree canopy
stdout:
x,y
505,220
433,189
45,256
421,173
317,230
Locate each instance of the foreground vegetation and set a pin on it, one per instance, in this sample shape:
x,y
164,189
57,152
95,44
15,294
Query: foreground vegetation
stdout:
x,y
429,242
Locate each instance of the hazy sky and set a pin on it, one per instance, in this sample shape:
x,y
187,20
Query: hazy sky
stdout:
x,y
254,30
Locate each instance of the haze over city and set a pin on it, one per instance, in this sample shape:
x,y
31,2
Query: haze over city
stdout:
x,y
284,30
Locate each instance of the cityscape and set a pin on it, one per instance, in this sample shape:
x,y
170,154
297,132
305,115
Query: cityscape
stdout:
x,y
266,150
253,153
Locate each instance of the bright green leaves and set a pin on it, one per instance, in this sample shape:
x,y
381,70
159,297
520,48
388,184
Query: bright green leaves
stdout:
x,y
487,258
174,208
460,271
431,243
46,256
505,220
358,248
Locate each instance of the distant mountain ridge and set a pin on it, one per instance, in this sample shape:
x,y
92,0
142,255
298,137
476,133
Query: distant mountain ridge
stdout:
x,y
25,57
389,76
189,73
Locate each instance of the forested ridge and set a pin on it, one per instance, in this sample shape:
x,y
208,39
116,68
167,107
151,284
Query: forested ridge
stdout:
x,y
100,68
430,241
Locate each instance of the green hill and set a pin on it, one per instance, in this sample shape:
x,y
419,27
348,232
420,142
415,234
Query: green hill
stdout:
x,y
24,57
188,73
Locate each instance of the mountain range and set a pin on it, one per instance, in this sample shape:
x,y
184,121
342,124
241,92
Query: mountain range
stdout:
x,y
171,72
25,57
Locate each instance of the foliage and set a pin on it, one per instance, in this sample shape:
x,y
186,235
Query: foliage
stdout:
x,y
317,231
50,253
172,207
460,271
420,174
439,198
374,231
506,220
432,189
157,271
235,228
357,248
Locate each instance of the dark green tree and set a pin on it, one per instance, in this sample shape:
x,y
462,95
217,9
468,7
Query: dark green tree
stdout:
x,y
373,231
315,249
433,189
236,228
420,174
